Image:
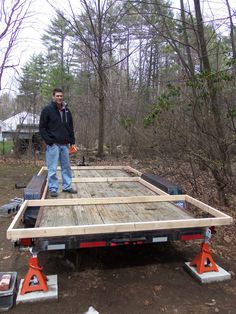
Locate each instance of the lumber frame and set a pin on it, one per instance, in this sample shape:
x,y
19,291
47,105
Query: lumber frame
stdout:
x,y
15,233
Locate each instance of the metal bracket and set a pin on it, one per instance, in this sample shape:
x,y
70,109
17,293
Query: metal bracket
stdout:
x,y
33,252
207,235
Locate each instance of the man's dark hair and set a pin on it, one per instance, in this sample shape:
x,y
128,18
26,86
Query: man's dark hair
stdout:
x,y
57,90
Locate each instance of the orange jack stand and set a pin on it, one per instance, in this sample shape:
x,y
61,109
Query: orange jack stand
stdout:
x,y
204,261
35,280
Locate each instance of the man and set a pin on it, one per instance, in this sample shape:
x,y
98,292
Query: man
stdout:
x,y
56,129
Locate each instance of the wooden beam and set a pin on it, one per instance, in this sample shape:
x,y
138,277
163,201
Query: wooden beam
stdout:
x,y
125,168
104,179
107,200
112,228
152,187
128,168
205,207
19,215
42,170
98,167
45,191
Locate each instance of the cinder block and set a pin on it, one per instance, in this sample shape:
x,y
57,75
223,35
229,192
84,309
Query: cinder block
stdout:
x,y
39,296
208,277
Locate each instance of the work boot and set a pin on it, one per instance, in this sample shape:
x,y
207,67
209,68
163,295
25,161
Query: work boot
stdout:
x,y
70,190
53,193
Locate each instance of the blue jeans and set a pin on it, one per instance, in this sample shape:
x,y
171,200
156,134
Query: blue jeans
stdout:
x,y
55,153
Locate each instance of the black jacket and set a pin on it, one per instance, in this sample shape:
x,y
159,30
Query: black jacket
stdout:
x,y
54,128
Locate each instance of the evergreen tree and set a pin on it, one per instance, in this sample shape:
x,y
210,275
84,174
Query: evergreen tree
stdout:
x,y
59,56
32,84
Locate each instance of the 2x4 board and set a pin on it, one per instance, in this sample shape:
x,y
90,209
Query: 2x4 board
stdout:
x,y
112,199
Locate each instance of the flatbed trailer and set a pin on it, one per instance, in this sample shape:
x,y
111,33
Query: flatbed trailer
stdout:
x,y
114,206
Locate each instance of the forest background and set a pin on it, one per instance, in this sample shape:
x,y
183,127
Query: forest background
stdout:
x,y
140,77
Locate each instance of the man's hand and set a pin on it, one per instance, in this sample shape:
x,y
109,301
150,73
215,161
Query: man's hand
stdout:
x,y
73,149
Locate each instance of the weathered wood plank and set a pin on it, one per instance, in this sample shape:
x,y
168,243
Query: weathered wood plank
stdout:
x,y
158,211
124,189
39,217
71,215
58,217
88,215
114,213
117,213
108,189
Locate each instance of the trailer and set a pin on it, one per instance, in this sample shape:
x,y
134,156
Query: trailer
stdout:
x,y
114,205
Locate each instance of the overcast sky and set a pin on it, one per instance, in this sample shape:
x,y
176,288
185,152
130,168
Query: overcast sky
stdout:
x,y
29,41
31,37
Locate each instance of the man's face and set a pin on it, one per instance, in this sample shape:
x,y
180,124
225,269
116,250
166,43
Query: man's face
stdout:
x,y
58,98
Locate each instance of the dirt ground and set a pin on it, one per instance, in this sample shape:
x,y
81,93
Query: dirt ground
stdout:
x,y
122,280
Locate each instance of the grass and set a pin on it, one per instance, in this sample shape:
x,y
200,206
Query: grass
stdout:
x,y
5,147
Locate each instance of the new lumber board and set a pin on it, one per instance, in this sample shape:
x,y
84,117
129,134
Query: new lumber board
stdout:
x,y
16,234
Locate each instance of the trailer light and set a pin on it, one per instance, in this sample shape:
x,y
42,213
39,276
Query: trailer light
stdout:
x,y
113,244
187,237
92,244
26,242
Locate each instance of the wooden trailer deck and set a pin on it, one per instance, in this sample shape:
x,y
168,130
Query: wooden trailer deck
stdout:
x,y
110,200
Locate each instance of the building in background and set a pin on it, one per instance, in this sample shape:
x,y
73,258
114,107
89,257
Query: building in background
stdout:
x,y
2,128
23,130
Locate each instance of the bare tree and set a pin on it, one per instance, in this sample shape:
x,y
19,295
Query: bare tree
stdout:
x,y
205,138
93,30
12,17
232,28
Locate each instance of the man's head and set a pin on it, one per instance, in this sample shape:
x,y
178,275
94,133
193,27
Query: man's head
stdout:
x,y
57,95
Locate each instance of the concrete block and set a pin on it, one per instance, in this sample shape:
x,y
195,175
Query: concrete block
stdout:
x,y
39,296
208,277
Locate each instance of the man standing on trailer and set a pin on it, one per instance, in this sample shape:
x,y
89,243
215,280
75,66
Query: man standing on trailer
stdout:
x,y
56,129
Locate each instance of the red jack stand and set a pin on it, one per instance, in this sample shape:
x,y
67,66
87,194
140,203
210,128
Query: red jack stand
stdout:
x,y
35,280
203,268
204,261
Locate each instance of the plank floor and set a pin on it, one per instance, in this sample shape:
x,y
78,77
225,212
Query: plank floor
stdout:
x,y
53,216
85,173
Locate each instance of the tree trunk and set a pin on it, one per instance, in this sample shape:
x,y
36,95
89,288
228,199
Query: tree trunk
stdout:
x,y
221,168
186,40
101,92
231,30
101,85
232,35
